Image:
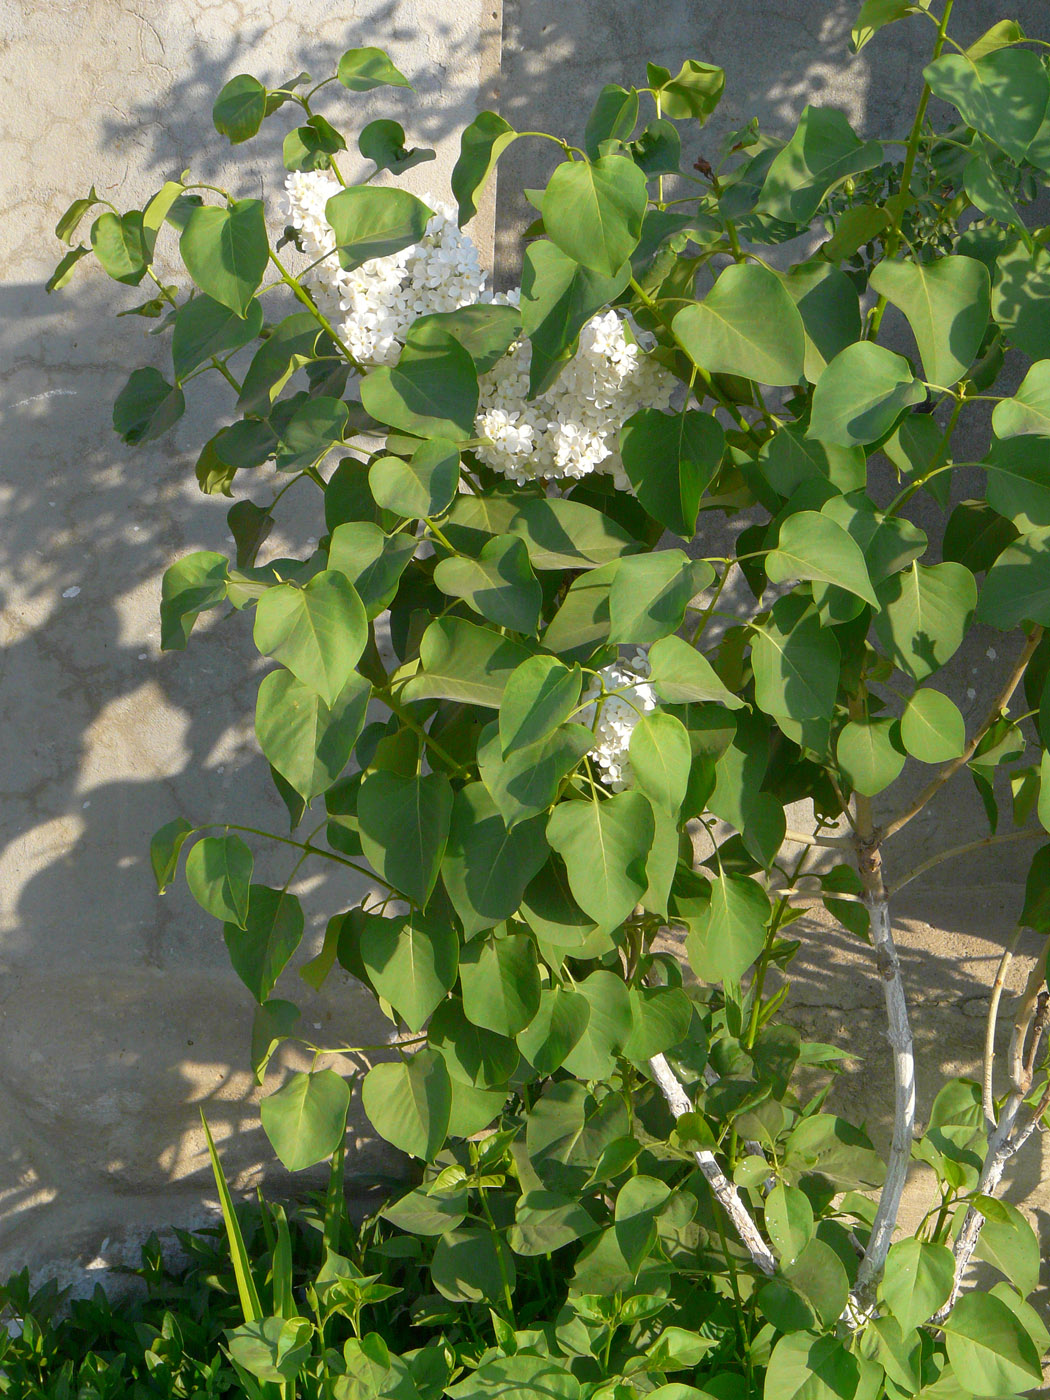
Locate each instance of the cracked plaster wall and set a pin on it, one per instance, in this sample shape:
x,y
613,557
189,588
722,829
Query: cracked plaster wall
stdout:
x,y
119,1014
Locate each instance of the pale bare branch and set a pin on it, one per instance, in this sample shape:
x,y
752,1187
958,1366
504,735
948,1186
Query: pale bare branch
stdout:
x,y
725,1192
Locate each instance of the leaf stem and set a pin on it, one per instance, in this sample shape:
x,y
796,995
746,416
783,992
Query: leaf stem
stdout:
x,y
215,361
941,466
767,948
302,846
302,295
417,728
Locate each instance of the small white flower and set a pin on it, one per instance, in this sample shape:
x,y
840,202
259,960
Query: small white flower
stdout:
x,y
570,430
574,424
971,694
614,718
991,653
380,299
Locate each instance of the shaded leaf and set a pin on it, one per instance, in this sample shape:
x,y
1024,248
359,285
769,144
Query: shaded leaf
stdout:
x,y
409,1102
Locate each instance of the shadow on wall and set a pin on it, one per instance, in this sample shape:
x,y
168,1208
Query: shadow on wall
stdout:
x,y
119,1014
777,58
163,132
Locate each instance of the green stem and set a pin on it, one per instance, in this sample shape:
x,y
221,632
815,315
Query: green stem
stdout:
x,y
893,238
302,295
439,536
301,846
767,949
417,728
734,1283
508,1297
706,615
216,363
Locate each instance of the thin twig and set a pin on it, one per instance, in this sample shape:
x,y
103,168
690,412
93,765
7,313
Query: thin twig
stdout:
x,y
1003,1142
987,1089
949,770
1033,1122
724,1190
1042,1014
800,838
1027,835
1020,1080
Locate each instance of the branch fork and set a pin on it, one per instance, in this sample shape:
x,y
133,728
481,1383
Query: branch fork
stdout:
x,y
1005,1136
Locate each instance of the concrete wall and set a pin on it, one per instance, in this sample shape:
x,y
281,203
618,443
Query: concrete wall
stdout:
x,y
119,1015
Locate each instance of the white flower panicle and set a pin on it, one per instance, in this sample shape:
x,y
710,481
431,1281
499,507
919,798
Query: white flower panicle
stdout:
x,y
617,715
379,300
563,434
572,428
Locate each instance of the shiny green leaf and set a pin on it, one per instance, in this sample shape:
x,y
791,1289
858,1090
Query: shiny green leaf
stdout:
x,y
926,611
746,325
411,962
431,392
481,145
318,631
305,1120
540,695
499,584
592,210
369,221
604,845
239,109
462,661
204,327
946,303
404,827
363,69
671,460
487,866
219,873
727,936
409,1102
861,394
226,251
261,949
823,152
869,754
932,729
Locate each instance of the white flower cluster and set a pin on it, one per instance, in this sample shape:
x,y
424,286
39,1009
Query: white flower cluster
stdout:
x,y
379,300
573,428
565,433
618,714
